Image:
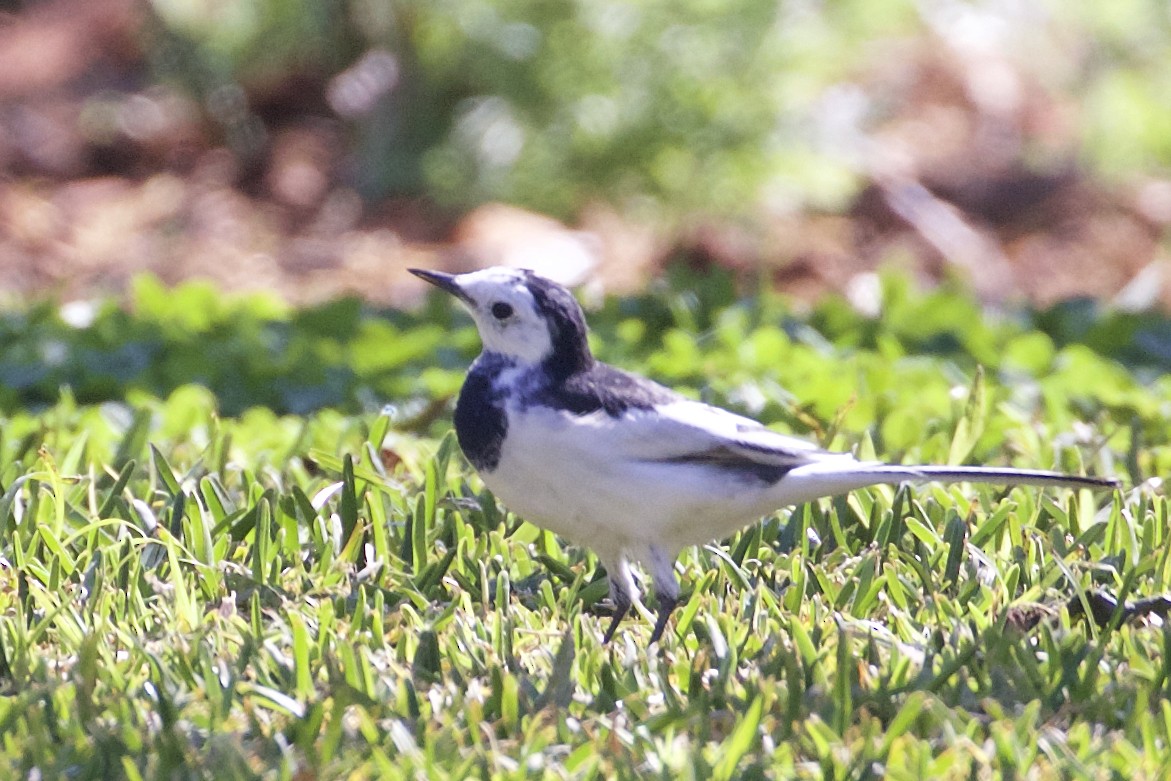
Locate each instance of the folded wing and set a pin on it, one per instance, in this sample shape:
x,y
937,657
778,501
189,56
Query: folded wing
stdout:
x,y
692,432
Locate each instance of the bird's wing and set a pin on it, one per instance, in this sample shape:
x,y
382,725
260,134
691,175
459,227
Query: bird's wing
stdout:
x,y
689,431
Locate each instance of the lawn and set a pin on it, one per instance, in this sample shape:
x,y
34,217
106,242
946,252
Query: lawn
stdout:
x,y
223,556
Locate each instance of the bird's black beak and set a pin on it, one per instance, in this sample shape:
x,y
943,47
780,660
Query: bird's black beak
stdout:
x,y
442,281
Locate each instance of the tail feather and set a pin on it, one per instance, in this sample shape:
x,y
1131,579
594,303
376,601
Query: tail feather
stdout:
x,y
984,474
815,480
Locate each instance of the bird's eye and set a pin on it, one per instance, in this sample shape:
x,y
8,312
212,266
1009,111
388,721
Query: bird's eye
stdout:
x,y
501,310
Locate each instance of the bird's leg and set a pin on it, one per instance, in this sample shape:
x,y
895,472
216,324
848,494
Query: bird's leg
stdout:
x,y
621,608
662,566
665,605
622,593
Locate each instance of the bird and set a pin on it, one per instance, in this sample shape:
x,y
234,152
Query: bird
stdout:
x,y
623,465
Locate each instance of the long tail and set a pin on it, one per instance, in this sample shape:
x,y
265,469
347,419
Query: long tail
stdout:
x,y
830,478
1004,476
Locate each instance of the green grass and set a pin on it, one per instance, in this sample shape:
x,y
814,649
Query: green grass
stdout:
x,y
333,594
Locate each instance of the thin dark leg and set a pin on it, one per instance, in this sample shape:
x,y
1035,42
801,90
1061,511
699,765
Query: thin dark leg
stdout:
x,y
666,605
621,608
662,565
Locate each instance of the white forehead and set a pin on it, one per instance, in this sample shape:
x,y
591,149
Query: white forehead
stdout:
x,y
496,284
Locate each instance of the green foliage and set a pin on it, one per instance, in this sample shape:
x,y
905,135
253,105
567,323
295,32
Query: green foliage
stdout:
x,y
253,40
252,352
674,107
187,593
1125,80
553,103
697,104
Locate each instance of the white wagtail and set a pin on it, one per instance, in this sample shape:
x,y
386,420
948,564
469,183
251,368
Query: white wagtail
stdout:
x,y
633,470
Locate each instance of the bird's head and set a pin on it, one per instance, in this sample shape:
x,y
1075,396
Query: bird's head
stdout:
x,y
522,316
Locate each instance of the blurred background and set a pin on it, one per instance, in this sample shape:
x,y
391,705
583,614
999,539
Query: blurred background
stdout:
x,y
319,147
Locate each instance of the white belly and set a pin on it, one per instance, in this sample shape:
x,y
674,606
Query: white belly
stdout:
x,y
556,471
